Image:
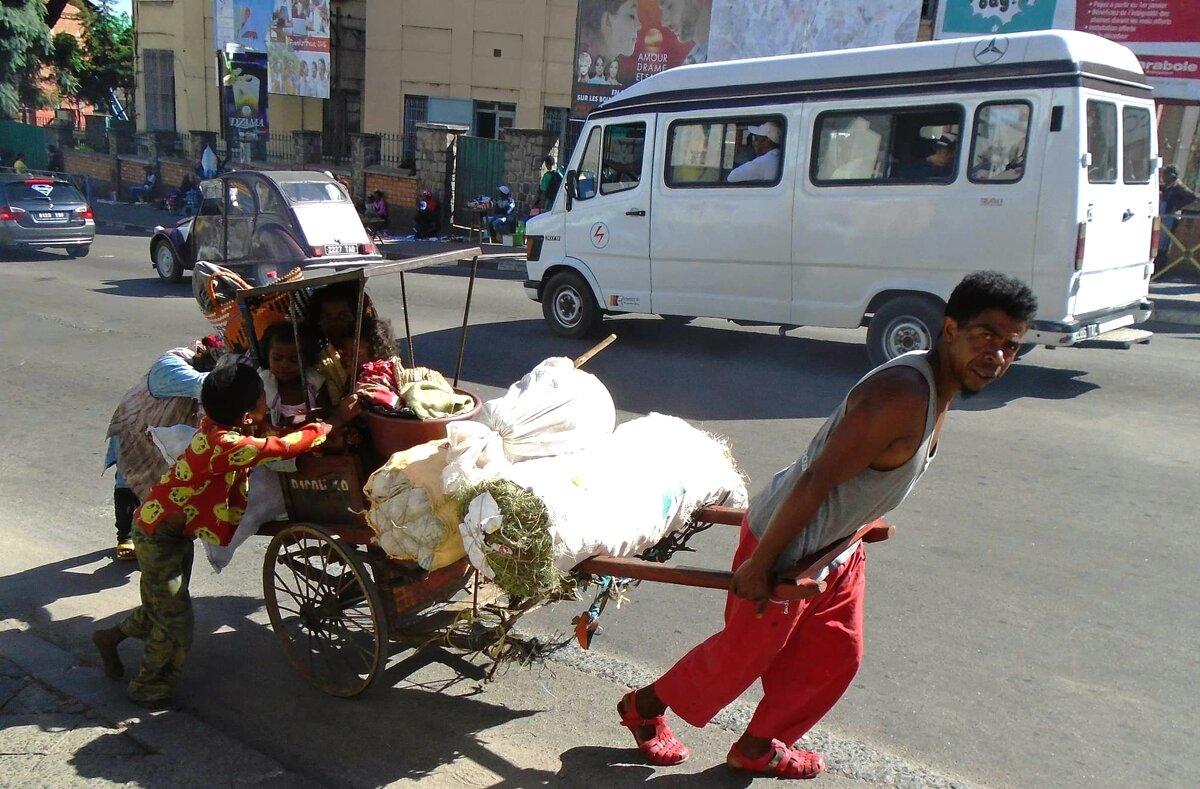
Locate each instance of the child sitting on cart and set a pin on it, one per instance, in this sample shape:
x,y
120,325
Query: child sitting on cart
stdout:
x,y
385,385
203,495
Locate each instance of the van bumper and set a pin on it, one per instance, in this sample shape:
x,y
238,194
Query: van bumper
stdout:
x,y
531,289
1088,327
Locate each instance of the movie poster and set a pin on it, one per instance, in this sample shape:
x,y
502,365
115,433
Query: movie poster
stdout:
x,y
244,92
293,33
620,42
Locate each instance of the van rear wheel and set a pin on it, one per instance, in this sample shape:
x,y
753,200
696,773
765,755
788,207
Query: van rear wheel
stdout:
x,y
568,306
906,323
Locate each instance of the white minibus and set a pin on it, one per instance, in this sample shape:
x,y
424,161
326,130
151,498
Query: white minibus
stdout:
x,y
856,188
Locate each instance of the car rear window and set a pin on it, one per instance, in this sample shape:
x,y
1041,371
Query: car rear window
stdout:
x,y
21,192
314,192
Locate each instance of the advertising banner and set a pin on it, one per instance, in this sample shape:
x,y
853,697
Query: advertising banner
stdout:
x,y
761,28
293,33
244,93
1164,34
620,42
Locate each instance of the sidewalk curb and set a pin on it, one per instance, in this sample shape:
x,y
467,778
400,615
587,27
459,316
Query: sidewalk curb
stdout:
x,y
125,227
176,735
1166,311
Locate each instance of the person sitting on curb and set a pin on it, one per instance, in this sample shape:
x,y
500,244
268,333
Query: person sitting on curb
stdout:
x,y
428,223
504,220
376,217
143,193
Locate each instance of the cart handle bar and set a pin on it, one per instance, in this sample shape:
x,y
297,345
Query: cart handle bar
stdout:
x,y
798,584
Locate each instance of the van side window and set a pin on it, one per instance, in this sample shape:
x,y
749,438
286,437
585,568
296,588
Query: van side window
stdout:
x,y
1102,141
901,146
998,144
744,151
1135,141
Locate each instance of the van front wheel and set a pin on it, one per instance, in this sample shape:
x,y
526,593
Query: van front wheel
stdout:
x,y
907,323
568,306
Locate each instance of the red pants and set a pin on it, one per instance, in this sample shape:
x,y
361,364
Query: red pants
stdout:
x,y
805,657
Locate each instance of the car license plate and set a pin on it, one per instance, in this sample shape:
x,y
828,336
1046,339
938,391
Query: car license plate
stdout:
x,y
340,249
52,216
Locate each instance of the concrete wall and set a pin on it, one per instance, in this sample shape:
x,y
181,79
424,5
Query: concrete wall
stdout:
x,y
413,47
447,48
524,150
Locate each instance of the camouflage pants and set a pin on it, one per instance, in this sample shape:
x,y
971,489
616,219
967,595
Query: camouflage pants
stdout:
x,y
164,620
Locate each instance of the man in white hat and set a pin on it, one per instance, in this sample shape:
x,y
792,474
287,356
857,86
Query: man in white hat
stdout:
x,y
766,138
939,164
505,218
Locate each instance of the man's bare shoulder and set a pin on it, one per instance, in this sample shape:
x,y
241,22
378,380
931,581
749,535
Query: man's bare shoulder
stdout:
x,y
893,393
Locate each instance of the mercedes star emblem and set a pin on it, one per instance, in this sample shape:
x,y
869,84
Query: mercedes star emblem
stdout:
x,y
987,52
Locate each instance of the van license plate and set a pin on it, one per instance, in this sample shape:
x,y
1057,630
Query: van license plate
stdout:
x,y
340,249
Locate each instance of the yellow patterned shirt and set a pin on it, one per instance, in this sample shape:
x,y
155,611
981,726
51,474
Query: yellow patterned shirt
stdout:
x,y
209,482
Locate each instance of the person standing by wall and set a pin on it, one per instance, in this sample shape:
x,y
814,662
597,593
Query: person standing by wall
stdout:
x,y
547,187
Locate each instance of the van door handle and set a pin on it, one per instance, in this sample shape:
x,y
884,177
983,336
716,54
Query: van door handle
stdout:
x,y
635,212
1125,217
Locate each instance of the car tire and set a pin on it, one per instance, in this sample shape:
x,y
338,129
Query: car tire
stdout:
x,y
906,323
262,273
568,306
167,263
79,251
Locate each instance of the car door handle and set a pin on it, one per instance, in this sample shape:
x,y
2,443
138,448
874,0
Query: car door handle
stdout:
x,y
635,212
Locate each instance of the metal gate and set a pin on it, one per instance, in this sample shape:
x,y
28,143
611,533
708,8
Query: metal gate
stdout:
x,y
478,170
30,140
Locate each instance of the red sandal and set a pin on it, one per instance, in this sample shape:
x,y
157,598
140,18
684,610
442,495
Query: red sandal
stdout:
x,y
781,762
664,748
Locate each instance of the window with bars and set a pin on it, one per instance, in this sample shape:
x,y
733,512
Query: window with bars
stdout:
x,y
159,88
554,119
416,110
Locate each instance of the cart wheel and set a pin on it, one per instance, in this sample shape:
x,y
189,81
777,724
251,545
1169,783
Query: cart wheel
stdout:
x,y
325,609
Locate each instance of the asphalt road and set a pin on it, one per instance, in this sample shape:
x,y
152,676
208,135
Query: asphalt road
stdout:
x,y
1030,625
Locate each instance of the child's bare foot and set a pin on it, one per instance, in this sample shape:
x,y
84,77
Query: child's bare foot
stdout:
x,y
106,644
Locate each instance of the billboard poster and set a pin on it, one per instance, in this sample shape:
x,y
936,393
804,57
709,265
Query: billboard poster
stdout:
x,y
1164,34
298,48
244,93
241,22
761,28
620,42
293,33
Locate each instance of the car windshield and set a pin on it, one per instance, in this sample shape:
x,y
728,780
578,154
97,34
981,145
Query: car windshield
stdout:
x,y
27,191
314,192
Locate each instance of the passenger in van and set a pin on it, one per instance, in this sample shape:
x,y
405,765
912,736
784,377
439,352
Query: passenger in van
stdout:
x,y
766,139
939,164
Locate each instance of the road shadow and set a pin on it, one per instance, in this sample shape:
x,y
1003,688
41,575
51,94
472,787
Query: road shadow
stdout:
x,y
146,287
35,256
704,373
598,766
37,588
124,232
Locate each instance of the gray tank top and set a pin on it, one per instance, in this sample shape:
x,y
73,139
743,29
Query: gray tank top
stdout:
x,y
856,501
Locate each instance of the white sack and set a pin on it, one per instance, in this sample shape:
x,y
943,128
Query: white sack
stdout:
x,y
624,493
554,410
264,502
172,441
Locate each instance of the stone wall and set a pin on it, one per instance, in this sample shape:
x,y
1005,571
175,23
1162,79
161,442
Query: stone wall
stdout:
x,y
523,154
437,145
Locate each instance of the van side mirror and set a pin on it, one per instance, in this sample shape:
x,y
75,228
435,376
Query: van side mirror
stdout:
x,y
570,182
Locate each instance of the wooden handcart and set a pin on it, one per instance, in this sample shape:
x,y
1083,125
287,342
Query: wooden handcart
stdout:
x,y
337,602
